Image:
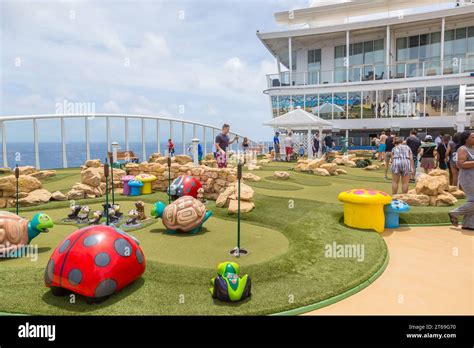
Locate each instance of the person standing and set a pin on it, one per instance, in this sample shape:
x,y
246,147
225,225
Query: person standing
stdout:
x,y
276,146
170,147
428,154
414,144
389,145
245,145
402,165
289,146
382,145
328,143
465,163
452,158
441,151
222,142
438,140
315,145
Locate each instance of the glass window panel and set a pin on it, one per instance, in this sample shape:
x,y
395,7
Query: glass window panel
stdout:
x,y
414,43
357,57
416,102
340,103
424,40
354,103
450,100
368,104
75,134
460,43
435,45
384,103
470,39
284,104
298,100
369,52
448,43
401,49
401,103
274,106
312,103
433,101
325,102
379,51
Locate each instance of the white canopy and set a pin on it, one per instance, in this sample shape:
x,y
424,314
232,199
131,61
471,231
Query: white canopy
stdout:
x,y
298,119
327,108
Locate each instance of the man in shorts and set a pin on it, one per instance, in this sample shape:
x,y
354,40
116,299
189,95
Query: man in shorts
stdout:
x,y
222,142
289,146
276,146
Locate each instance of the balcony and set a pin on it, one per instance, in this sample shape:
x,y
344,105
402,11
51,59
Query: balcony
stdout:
x,y
368,73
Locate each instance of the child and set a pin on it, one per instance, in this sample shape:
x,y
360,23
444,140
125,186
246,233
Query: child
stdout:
x,y
301,150
170,147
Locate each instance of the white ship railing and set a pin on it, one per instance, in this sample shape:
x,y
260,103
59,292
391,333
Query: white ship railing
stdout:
x,y
89,117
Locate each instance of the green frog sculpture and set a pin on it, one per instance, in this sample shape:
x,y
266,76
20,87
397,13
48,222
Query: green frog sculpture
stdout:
x,y
228,285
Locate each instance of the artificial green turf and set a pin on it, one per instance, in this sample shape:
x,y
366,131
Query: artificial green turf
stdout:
x,y
286,235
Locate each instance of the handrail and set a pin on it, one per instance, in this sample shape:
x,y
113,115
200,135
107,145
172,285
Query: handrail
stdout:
x,y
90,116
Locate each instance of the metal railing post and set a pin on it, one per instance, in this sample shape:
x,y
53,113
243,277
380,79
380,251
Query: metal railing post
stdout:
x,y
182,138
36,142
158,136
143,140
63,143
88,145
4,144
127,148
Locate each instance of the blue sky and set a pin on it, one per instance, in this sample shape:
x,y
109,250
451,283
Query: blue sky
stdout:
x,y
145,57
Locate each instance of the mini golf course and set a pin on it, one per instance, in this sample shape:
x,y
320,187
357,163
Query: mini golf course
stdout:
x,y
286,235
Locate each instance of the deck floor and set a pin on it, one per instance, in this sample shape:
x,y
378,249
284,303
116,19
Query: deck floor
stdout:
x,y
430,272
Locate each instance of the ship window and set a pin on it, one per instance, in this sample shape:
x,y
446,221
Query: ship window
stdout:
x,y
460,43
379,51
433,101
414,44
435,45
424,39
357,57
368,104
470,40
369,52
314,60
448,44
354,103
450,100
401,49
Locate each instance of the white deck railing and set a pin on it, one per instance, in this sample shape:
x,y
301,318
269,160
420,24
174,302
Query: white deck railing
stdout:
x,y
88,118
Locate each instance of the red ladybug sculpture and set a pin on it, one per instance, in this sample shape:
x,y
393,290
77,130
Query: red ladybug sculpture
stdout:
x,y
184,185
95,262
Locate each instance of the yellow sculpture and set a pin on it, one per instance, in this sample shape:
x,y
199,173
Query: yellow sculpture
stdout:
x,y
363,208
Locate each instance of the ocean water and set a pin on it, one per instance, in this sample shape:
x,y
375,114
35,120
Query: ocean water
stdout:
x,y
50,154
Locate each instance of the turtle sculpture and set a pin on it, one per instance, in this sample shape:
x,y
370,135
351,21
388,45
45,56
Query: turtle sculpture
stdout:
x,y
17,232
186,214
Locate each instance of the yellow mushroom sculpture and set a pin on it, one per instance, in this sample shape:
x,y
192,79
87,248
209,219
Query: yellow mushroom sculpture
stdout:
x,y
363,208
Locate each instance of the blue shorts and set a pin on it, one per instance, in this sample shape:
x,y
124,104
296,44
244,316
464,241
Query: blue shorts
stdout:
x,y
382,147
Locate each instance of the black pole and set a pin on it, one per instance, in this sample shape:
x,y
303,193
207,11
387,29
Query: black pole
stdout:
x,y
169,178
106,174
17,176
112,176
239,177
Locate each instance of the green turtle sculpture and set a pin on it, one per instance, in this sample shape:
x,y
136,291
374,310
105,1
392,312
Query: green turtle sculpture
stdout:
x,y
17,232
186,214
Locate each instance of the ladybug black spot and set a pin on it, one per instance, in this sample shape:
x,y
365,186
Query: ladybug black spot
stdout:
x,y
64,246
105,288
122,247
91,240
102,259
139,256
75,277
48,274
